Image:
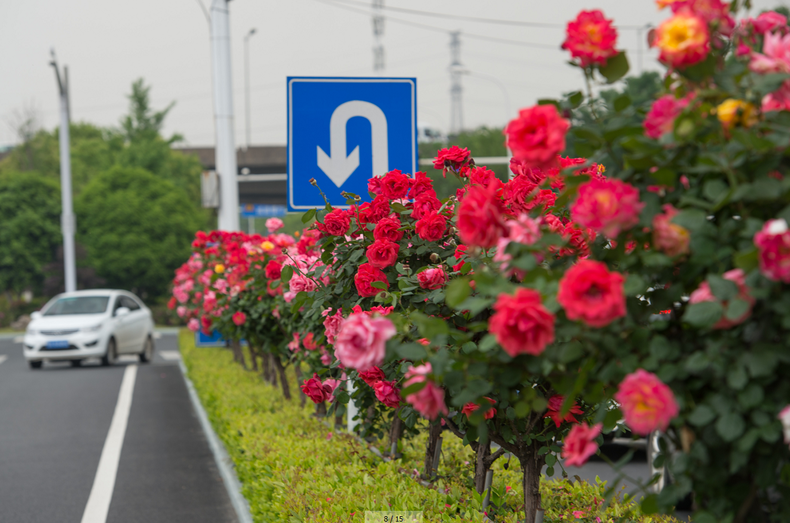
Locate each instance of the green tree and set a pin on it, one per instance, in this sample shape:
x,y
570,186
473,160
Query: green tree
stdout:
x,y
137,228
30,232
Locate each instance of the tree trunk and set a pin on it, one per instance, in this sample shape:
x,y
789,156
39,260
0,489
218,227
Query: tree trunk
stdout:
x,y
338,422
396,430
283,380
430,449
254,357
320,410
273,369
238,353
265,367
531,465
481,466
299,382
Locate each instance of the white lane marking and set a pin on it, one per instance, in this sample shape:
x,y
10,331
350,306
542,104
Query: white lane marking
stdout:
x,y
127,358
157,335
3,357
19,339
170,355
104,482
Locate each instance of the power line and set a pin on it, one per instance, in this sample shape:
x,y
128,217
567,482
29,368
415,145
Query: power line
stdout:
x,y
447,16
439,29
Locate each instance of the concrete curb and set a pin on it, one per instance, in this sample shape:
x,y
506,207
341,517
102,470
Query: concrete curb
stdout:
x,y
224,463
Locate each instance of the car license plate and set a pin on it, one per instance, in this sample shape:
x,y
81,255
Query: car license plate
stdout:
x,y
58,344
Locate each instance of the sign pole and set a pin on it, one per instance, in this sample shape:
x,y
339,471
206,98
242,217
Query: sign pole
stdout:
x,y
225,159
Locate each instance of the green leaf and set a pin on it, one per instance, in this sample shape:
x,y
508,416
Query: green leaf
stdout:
x,y
722,288
736,308
634,285
747,260
691,219
286,273
730,426
309,215
411,351
701,416
737,378
571,351
650,504
551,459
615,68
665,176
704,314
379,285
457,291
621,102
430,327
413,388
576,99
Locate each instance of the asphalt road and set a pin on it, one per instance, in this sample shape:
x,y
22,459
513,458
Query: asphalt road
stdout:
x,y
53,426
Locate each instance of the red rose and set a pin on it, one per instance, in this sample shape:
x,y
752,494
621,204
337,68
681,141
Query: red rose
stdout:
x,y
521,323
387,393
480,221
537,136
431,227
554,407
395,185
374,185
172,303
453,158
519,194
336,223
372,376
387,229
470,407
374,211
315,390
273,270
483,176
239,318
589,292
425,203
366,275
421,184
459,251
591,38
382,253
432,278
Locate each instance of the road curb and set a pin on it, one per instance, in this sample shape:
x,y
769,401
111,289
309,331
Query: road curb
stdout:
x,y
221,457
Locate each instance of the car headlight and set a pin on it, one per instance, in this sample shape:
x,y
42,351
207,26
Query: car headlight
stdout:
x,y
93,328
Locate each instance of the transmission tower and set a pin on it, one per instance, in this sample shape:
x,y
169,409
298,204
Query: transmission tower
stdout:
x,y
456,70
378,33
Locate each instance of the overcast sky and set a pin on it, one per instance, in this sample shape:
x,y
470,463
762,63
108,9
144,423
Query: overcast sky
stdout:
x,y
107,44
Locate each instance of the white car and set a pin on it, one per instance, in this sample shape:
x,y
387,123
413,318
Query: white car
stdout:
x,y
100,323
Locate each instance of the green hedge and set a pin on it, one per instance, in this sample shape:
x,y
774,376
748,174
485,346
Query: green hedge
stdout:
x,y
293,468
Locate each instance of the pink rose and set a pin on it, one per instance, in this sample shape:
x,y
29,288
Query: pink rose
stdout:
x,y
432,279
300,282
773,245
670,238
239,318
703,293
332,384
607,206
274,225
193,325
181,311
580,444
387,393
429,401
646,402
361,342
784,417
661,117
591,293
332,325
767,22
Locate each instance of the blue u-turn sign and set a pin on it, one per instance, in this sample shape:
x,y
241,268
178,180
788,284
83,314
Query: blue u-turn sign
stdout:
x,y
342,131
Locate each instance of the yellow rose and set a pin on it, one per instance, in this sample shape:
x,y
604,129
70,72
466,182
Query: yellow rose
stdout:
x,y
267,246
731,112
219,268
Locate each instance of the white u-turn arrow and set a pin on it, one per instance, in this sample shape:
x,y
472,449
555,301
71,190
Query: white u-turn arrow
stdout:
x,y
339,167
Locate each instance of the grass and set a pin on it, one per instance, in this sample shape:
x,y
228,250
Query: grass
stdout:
x,y
293,468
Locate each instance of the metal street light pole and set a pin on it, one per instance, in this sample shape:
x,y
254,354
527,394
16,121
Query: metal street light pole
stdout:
x,y
247,81
227,170
67,221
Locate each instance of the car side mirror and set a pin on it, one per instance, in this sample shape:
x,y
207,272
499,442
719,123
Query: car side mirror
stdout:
x,y
35,315
122,311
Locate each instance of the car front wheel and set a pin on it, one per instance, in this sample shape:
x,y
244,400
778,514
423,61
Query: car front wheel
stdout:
x,y
148,351
35,364
111,354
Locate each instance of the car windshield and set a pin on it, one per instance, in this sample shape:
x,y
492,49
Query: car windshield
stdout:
x,y
78,305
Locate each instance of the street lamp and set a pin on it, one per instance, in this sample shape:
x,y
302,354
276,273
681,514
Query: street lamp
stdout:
x,y
247,81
